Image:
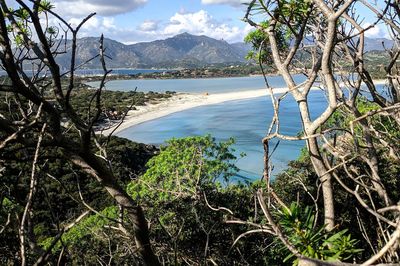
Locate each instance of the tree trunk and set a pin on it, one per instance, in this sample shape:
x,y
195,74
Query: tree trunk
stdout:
x,y
98,169
326,181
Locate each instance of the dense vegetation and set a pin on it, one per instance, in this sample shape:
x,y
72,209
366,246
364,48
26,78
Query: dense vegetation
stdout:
x,y
65,191
187,222
375,64
193,217
115,104
71,196
204,72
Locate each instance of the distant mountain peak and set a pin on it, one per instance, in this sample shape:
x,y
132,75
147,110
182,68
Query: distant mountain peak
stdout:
x,y
182,50
183,34
200,50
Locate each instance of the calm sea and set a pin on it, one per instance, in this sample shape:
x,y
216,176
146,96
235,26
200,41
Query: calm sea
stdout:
x,y
210,85
245,120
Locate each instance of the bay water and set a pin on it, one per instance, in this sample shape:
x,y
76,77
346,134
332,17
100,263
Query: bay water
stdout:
x,y
196,85
245,120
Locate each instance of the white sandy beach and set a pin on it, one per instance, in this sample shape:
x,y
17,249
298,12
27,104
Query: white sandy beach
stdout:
x,y
184,101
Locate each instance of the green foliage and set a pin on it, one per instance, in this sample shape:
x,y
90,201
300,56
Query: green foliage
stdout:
x,y
52,30
128,158
9,241
183,167
287,184
181,220
313,241
22,14
45,6
290,185
258,38
343,120
287,12
88,227
56,201
179,226
114,103
341,117
92,239
8,206
293,10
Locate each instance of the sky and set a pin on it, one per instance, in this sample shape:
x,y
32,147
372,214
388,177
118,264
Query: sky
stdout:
x,y
132,21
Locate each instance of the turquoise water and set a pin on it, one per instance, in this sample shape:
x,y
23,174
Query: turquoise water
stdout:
x,y
211,85
230,119
245,120
118,71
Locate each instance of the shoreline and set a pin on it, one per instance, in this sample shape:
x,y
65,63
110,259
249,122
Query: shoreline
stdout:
x,y
184,101
181,102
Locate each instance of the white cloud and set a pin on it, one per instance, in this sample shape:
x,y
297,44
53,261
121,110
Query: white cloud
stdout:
x,y
92,23
197,23
108,23
234,3
80,8
377,31
373,32
202,23
95,26
148,25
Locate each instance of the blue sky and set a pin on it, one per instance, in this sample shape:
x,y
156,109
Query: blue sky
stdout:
x,y
132,21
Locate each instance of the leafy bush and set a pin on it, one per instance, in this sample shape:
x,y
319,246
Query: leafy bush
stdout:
x,y
314,241
183,167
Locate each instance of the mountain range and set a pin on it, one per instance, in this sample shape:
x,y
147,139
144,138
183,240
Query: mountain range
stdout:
x,y
183,50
